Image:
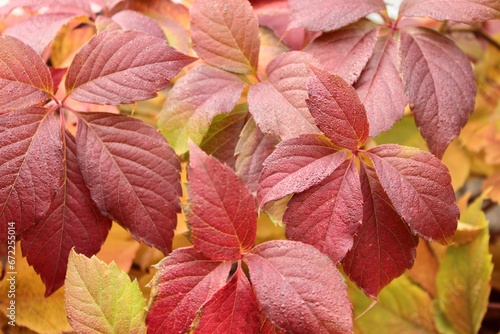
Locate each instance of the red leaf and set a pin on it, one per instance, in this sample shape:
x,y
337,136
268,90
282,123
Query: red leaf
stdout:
x,y
435,72
222,213
267,327
419,186
40,30
345,52
278,105
30,166
24,78
299,288
132,174
185,281
226,34
122,67
251,151
57,75
233,309
317,15
132,20
384,246
296,165
336,107
380,87
71,221
328,215
467,11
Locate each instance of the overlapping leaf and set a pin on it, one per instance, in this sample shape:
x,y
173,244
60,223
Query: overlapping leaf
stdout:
x,y
194,101
132,174
299,288
328,215
222,213
435,73
24,78
122,67
72,220
226,34
100,297
278,105
467,11
345,52
132,20
317,15
384,246
185,281
30,166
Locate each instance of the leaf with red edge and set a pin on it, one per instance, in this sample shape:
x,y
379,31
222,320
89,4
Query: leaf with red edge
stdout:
x,y
132,174
467,11
345,52
222,215
419,186
321,15
39,30
24,78
30,166
184,282
226,34
380,87
384,246
328,215
122,67
251,151
72,220
132,20
296,165
435,72
299,288
232,309
336,107
194,101
278,104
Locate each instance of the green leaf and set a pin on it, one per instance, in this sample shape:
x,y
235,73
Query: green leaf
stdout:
x,y
463,279
100,298
402,307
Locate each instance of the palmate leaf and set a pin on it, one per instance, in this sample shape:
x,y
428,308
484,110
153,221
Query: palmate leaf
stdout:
x,y
222,215
25,80
226,34
299,288
122,67
185,280
30,166
72,220
132,174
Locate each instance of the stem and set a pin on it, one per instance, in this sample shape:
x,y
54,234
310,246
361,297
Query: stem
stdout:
x,y
480,34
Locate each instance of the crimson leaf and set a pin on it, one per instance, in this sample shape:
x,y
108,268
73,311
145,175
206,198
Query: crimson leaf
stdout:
x,y
184,282
345,52
336,107
296,165
278,105
122,67
329,15
132,174
232,309
71,221
299,288
380,87
384,246
30,166
24,78
226,34
467,11
435,71
132,20
328,215
222,213
419,186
